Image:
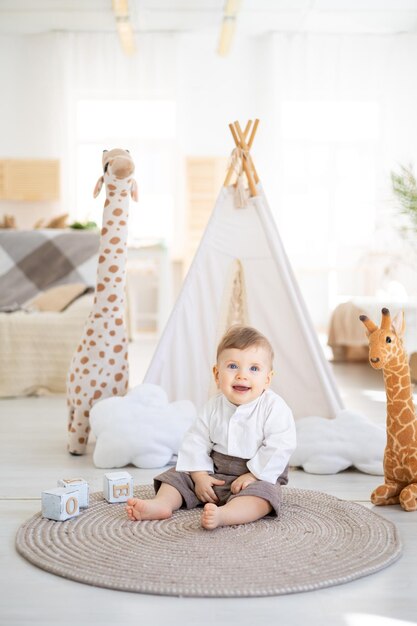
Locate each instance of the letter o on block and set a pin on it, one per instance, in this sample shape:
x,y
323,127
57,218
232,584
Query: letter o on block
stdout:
x,y
81,485
71,505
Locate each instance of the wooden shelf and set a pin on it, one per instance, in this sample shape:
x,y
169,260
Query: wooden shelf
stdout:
x,y
29,180
204,180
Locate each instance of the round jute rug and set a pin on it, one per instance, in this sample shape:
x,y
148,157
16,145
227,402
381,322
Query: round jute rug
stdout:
x,y
319,541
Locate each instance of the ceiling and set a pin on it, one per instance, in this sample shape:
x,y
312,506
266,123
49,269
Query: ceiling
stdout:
x,y
255,18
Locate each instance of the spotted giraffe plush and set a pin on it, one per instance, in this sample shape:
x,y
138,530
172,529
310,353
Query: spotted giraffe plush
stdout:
x,y
99,367
386,352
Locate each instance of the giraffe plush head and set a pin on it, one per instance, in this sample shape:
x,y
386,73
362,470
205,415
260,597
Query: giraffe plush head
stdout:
x,y
386,342
119,164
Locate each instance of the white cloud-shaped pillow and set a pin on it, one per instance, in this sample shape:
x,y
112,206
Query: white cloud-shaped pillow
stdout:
x,y
328,446
141,428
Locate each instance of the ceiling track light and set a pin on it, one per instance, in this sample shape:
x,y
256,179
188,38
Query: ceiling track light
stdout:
x,y
228,27
124,26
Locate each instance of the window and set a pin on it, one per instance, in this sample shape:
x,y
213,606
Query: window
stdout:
x,y
328,189
147,128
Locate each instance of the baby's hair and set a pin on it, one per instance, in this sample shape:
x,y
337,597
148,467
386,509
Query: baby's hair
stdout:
x,y
242,337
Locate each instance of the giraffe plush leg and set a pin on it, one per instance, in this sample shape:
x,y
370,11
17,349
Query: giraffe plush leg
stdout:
x,y
78,429
389,493
408,498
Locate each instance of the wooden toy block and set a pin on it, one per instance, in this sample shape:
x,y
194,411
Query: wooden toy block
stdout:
x,y
60,504
81,485
117,486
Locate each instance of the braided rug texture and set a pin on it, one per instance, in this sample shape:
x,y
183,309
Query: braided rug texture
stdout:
x,y
319,541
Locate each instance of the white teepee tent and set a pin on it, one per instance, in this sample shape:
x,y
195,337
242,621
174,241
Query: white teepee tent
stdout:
x,y
241,274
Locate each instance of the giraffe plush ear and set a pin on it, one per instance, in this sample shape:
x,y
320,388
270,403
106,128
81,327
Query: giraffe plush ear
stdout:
x,y
398,324
134,191
98,186
370,326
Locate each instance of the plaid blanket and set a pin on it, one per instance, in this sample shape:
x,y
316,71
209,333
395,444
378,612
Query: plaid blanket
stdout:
x,y
35,260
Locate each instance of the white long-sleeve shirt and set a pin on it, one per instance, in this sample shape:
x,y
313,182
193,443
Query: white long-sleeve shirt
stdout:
x,y
262,431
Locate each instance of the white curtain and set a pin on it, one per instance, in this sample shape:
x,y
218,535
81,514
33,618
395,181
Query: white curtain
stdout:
x,y
345,110
97,70
97,65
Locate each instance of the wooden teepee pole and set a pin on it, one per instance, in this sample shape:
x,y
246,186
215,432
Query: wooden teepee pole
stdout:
x,y
253,133
240,139
231,170
247,146
247,129
246,161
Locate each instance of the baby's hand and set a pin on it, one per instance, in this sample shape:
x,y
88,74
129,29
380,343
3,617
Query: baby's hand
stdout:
x,y
203,483
242,482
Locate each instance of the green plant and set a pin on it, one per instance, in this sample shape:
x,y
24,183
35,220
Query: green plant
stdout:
x,y
83,225
404,185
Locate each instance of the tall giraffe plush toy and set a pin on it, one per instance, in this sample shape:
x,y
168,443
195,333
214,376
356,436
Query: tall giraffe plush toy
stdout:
x,y
99,367
386,352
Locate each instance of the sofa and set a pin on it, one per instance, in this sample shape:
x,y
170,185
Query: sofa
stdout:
x,y
46,283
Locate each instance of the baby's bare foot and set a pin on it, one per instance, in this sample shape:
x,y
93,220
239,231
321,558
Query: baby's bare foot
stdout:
x,y
140,510
210,517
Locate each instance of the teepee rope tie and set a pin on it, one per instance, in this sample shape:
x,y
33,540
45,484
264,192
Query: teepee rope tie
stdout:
x,y
236,163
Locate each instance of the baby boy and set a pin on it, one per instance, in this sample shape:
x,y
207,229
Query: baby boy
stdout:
x,y
235,456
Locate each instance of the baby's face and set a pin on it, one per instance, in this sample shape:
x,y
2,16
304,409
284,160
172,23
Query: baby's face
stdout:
x,y
242,375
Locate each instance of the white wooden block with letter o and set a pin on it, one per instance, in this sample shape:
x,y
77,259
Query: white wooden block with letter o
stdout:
x,y
60,504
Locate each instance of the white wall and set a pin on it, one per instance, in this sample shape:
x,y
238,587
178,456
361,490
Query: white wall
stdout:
x,y
43,76
32,122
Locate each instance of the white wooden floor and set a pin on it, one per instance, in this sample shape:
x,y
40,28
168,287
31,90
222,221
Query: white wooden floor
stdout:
x,y
33,456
